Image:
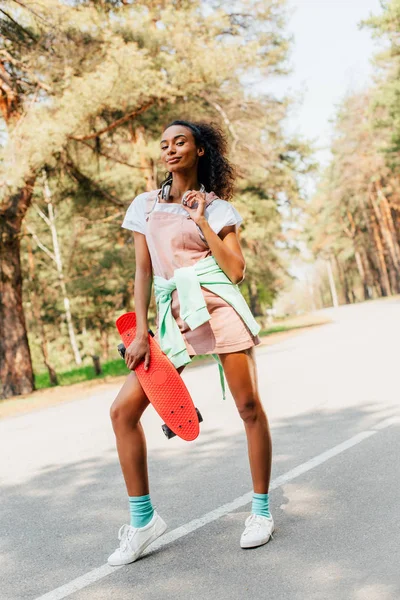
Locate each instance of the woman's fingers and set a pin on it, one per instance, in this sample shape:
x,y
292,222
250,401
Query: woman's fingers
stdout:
x,y
192,197
201,200
194,203
189,198
131,361
147,360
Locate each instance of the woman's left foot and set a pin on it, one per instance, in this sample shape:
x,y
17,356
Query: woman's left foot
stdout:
x,y
258,531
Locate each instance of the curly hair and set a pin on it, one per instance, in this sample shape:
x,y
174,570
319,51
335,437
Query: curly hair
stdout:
x,y
215,171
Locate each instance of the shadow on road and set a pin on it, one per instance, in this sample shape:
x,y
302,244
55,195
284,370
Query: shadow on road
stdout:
x,y
63,522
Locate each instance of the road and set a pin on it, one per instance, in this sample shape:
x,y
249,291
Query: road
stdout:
x,y
332,396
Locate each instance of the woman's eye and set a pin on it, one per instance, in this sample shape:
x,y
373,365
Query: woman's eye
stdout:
x,y
180,143
164,148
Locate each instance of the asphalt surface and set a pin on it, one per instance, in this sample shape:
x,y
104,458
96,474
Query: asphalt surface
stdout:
x,y
337,517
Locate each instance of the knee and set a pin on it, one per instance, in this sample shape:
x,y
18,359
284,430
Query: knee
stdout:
x,y
115,414
250,409
121,417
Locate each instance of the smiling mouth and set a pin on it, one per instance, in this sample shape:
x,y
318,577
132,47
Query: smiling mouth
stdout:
x,y
173,160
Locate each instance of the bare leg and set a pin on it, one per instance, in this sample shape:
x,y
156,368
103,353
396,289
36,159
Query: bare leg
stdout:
x,y
126,412
241,375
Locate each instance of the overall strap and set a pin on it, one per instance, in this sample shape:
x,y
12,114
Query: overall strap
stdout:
x,y
151,202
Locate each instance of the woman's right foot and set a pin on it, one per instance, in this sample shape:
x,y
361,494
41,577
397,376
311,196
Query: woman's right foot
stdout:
x,y
133,541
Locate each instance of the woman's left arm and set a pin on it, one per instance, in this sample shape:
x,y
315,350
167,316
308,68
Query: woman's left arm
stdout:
x,y
224,246
226,250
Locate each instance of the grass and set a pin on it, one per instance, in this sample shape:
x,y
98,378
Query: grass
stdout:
x,y
112,368
280,328
117,367
85,379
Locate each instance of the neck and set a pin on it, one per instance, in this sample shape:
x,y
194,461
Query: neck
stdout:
x,y
181,183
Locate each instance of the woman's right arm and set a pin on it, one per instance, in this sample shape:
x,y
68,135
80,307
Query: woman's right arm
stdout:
x,y
139,349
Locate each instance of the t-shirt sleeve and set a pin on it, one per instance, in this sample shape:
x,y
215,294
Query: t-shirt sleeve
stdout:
x,y
221,214
135,217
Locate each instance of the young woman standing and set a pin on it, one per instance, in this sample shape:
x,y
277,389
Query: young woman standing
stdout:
x,y
190,223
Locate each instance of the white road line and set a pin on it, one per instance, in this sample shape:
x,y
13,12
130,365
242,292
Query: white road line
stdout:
x,y
96,574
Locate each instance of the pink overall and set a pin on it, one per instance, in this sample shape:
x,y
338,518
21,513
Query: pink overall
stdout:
x,y
174,241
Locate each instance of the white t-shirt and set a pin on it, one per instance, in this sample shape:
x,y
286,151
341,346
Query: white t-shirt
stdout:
x,y
219,213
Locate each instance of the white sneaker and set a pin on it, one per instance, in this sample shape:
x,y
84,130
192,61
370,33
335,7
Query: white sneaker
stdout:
x,y
134,540
258,531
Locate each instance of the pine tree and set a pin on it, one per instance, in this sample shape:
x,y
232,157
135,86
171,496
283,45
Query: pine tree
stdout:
x,y
86,88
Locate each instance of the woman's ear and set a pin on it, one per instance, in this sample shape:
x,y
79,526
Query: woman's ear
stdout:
x,y
200,151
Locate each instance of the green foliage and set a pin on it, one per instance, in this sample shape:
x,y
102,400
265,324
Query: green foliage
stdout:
x,y
386,93
92,85
111,368
354,218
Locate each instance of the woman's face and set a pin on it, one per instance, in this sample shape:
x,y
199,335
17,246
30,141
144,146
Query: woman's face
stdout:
x,y
178,149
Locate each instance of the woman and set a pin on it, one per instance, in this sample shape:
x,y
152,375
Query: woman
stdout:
x,y
189,223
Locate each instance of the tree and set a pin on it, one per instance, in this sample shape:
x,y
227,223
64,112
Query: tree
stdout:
x,y
355,213
77,76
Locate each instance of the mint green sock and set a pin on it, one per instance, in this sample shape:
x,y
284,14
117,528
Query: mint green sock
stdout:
x,y
260,505
141,509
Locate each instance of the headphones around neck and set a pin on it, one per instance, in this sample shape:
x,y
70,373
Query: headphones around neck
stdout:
x,y
166,189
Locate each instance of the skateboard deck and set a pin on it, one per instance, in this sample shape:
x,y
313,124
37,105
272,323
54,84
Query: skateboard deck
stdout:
x,y
162,384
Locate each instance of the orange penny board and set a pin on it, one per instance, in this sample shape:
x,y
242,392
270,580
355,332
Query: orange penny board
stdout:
x,y
163,385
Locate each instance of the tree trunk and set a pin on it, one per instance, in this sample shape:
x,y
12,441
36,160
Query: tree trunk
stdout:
x,y
146,163
384,275
255,306
321,295
392,264
343,280
96,364
36,310
311,294
368,270
332,283
390,236
361,272
16,374
104,343
373,252
43,345
60,271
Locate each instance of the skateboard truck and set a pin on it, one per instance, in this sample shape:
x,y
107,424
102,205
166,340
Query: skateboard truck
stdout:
x,y
121,349
167,431
170,434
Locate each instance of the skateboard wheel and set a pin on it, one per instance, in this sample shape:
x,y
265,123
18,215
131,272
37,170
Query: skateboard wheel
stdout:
x,y
170,434
121,349
167,431
199,415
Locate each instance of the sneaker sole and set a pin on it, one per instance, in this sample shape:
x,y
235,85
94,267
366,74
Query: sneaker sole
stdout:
x,y
142,548
256,545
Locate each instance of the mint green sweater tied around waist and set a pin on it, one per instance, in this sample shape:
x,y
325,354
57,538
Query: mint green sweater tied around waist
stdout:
x,y
193,309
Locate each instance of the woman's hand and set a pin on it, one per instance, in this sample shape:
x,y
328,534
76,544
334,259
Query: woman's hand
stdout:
x,y
137,351
194,203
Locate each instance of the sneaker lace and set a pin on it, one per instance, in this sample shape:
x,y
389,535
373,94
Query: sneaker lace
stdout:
x,y
123,536
253,523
